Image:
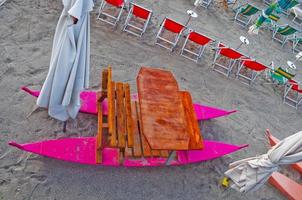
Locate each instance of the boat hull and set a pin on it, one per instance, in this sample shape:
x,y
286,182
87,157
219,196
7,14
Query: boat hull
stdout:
x,y
88,99
82,150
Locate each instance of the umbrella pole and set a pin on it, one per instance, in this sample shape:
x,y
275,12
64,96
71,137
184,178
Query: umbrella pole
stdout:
x,y
64,126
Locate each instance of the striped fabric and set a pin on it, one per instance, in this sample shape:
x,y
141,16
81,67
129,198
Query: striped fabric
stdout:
x,y
249,10
287,30
283,73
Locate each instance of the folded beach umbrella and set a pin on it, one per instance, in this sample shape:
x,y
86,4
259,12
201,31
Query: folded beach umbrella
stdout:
x,y
69,64
251,173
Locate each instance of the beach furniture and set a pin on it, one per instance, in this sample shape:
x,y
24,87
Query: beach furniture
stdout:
x,y
280,75
297,43
169,34
200,41
283,33
267,2
159,128
137,20
292,94
204,3
298,16
271,21
229,58
249,70
245,13
110,11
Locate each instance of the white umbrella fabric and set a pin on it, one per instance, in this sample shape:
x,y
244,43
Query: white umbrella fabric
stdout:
x,y
68,72
251,173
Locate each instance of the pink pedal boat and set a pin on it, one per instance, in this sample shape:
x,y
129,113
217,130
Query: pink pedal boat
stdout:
x,y
138,131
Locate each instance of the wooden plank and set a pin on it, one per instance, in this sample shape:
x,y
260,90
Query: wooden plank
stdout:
x,y
111,114
196,141
100,131
137,148
120,110
155,153
164,153
145,145
129,120
163,117
128,152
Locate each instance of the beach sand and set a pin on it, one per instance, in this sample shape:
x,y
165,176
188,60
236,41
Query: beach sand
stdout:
x,y
26,33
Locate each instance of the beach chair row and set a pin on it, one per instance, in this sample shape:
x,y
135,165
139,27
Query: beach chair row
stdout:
x,y
226,61
280,33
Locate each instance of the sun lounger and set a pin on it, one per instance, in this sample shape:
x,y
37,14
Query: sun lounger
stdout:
x,y
139,14
249,70
204,3
244,14
105,11
201,41
230,54
292,94
297,43
280,75
172,27
283,33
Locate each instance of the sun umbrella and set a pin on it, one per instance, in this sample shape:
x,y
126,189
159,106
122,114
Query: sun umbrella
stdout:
x,y
68,72
251,173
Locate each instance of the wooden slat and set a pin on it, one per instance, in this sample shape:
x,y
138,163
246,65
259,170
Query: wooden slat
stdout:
x,y
145,146
155,153
100,130
196,141
137,149
129,119
111,113
164,153
120,110
128,152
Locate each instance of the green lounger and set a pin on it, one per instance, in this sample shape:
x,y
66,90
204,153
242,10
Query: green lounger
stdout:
x,y
244,14
285,33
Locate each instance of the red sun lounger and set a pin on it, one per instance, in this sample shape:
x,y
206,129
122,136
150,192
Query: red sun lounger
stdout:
x,y
173,27
198,39
292,94
139,14
107,16
225,52
249,70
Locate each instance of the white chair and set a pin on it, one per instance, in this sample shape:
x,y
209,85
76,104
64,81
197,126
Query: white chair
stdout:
x,y
108,17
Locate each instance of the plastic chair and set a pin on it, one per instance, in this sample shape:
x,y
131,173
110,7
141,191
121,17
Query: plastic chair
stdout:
x,y
137,12
172,27
292,94
284,32
107,16
200,40
229,53
244,14
253,66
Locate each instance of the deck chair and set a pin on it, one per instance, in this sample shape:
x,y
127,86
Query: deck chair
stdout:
x,y
283,33
280,75
230,54
249,70
267,2
170,26
139,14
244,14
105,15
297,44
292,94
204,3
298,18
200,41
271,21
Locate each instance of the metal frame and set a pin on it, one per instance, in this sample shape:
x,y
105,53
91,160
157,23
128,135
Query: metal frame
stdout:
x,y
290,101
245,20
283,39
251,78
228,68
159,38
129,16
297,44
205,3
114,18
200,49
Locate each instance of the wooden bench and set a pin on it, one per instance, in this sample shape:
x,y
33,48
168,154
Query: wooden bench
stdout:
x,y
121,129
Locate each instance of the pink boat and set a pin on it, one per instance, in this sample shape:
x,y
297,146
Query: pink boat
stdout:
x,y
125,137
89,105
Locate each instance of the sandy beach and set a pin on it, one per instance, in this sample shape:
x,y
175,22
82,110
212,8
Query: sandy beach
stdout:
x,y
26,33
